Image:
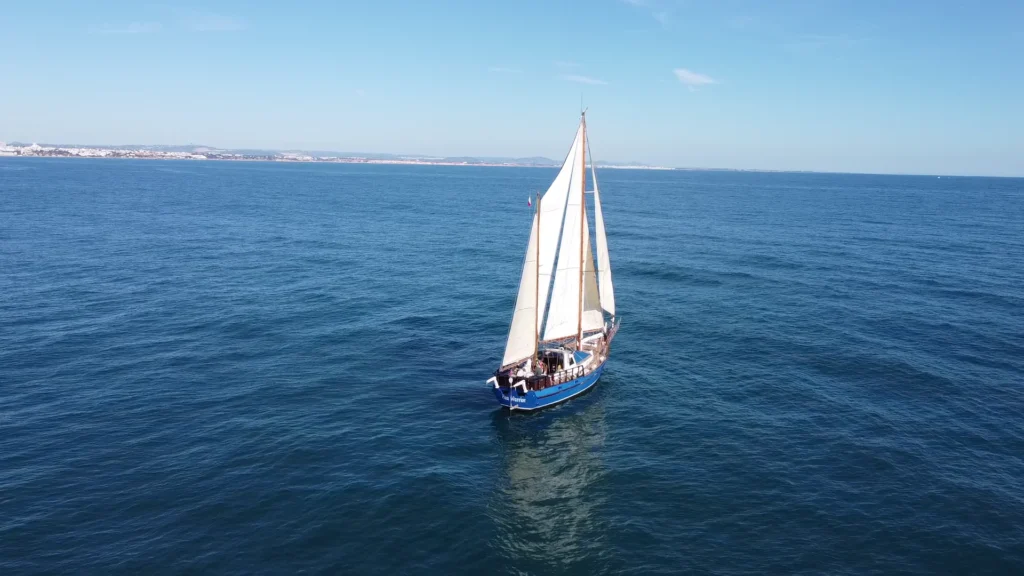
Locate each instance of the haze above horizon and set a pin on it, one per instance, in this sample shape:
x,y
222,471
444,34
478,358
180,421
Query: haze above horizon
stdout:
x,y
840,86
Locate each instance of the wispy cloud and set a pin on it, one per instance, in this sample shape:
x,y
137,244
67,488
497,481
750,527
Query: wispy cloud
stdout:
x,y
584,79
207,22
504,70
178,19
565,64
133,28
693,80
662,17
635,2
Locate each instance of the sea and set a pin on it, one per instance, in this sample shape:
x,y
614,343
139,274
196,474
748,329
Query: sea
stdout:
x,y
279,368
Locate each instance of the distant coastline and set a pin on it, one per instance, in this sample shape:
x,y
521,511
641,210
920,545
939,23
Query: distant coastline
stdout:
x,y
196,152
207,153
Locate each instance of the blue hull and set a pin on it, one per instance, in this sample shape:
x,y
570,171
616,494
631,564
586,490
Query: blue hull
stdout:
x,y
537,399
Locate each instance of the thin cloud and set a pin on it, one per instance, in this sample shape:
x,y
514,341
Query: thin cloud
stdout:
x,y
565,64
503,70
133,28
662,18
584,79
693,80
214,23
635,2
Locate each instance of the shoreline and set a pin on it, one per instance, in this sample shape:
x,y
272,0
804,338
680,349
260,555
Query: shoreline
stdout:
x,y
286,160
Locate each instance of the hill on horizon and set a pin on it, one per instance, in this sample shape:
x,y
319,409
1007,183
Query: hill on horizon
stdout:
x,y
201,148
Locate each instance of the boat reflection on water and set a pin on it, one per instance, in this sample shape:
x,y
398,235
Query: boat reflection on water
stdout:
x,y
549,502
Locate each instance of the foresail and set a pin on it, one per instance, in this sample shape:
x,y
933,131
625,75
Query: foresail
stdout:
x,y
522,338
604,265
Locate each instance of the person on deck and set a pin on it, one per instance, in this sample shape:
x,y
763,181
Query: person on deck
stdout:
x,y
524,372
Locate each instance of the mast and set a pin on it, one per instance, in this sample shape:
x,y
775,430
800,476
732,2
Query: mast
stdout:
x,y
536,287
583,229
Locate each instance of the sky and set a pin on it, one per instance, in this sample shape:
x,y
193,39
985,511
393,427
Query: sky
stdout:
x,y
882,86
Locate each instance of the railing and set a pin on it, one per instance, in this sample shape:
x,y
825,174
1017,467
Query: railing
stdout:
x,y
599,351
560,377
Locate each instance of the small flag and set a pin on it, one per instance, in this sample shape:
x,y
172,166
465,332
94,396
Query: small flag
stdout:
x,y
529,201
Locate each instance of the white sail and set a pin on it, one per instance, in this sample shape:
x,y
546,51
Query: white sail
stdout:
x,y
522,338
593,318
604,265
535,281
564,308
552,212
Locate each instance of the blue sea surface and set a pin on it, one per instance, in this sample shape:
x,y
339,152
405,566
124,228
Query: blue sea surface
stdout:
x,y
266,368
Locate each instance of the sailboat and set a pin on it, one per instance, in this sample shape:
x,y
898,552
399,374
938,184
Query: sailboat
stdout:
x,y
564,319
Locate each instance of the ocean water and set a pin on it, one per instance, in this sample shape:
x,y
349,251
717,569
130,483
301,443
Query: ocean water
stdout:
x,y
247,368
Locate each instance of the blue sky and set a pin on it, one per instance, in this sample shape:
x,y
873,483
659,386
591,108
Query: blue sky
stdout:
x,y
864,86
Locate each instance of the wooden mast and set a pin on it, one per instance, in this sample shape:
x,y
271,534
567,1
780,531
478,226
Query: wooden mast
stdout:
x,y
538,307
583,230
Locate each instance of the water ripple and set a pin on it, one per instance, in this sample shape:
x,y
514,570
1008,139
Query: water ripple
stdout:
x,y
249,368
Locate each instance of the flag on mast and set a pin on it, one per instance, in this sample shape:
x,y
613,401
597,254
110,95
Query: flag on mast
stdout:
x,y
529,201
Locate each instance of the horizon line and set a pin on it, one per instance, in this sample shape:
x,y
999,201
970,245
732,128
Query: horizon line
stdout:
x,y
554,164
639,168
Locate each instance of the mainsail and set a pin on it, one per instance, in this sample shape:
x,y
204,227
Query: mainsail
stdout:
x,y
564,309
593,318
553,211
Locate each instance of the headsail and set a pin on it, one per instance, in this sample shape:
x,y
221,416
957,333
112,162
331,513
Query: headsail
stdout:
x,y
604,265
522,338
